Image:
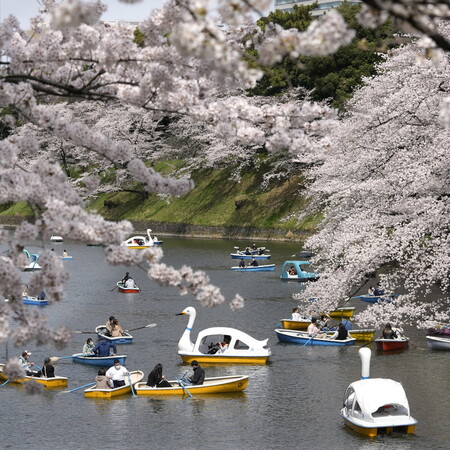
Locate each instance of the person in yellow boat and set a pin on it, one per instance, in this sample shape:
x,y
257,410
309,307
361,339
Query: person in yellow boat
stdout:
x,y
117,374
156,377
101,380
296,314
27,364
48,371
198,376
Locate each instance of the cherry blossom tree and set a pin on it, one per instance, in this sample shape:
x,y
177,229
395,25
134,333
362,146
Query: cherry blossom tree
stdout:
x,y
383,185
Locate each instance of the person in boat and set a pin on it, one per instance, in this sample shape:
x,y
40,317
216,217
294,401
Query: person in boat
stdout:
x,y
198,377
101,381
116,329
324,322
129,284
65,254
254,263
341,334
254,247
104,348
156,377
27,364
378,291
313,329
292,271
117,374
248,251
109,324
388,332
88,348
25,291
296,314
242,263
48,371
42,295
371,290
125,278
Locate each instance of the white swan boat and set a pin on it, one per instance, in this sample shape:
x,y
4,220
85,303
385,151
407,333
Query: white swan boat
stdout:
x,y
141,242
32,265
241,349
374,406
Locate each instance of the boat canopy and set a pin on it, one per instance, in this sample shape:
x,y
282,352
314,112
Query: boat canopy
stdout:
x,y
239,339
370,397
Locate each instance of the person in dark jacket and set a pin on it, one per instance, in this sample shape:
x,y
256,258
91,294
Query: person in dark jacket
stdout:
x,y
198,376
48,371
242,263
254,262
104,347
156,377
341,333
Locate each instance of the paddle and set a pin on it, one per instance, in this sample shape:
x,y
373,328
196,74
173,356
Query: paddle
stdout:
x,y
54,359
131,385
184,387
115,287
150,325
6,382
76,389
308,341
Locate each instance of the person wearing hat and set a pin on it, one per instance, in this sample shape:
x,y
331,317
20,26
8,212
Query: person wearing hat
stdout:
x,y
198,376
26,364
48,371
117,374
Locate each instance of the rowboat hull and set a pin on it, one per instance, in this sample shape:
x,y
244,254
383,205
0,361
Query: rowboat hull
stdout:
x,y
362,335
376,298
389,345
263,268
34,301
224,359
244,256
125,290
439,343
342,313
66,258
215,385
103,361
301,337
136,377
374,431
126,339
49,383
289,324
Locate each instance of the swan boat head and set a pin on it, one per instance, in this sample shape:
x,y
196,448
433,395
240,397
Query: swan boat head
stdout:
x,y
185,344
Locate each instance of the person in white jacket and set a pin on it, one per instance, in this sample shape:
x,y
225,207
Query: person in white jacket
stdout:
x,y
117,374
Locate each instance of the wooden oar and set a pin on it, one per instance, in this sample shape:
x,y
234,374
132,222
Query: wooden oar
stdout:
x,y
184,387
76,389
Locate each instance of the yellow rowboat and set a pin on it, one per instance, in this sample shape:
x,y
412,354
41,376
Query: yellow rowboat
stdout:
x,y
224,359
342,313
363,335
50,383
214,385
136,376
289,324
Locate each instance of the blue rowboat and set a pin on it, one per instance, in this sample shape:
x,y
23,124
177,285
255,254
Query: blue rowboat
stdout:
x,y
262,268
125,339
243,255
27,300
302,337
376,298
104,361
295,271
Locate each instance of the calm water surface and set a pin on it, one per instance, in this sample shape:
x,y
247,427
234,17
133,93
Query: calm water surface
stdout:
x,y
291,403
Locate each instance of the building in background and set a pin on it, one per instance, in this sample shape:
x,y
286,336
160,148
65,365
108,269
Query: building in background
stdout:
x,y
322,7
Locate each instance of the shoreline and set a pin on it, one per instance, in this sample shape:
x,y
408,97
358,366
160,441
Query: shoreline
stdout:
x,y
197,231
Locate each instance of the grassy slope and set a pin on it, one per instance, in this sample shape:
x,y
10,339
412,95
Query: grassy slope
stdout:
x,y
211,203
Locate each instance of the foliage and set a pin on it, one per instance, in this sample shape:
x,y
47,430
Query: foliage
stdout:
x,y
332,77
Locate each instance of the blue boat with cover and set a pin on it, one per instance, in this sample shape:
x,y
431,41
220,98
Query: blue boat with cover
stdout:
x,y
295,271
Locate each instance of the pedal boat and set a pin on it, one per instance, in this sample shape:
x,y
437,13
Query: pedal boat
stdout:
x,y
141,242
242,348
125,339
103,361
213,385
300,274
136,376
49,383
375,406
302,337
